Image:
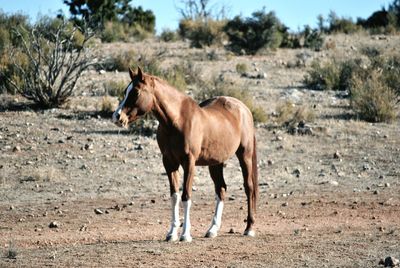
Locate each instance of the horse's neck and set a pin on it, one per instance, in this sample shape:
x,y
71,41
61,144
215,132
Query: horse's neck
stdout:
x,y
168,104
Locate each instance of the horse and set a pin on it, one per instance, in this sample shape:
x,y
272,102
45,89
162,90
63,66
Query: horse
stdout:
x,y
191,134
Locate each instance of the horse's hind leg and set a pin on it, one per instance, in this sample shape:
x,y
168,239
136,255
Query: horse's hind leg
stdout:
x,y
246,158
216,173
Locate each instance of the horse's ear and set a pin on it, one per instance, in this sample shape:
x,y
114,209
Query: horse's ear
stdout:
x,y
131,74
140,74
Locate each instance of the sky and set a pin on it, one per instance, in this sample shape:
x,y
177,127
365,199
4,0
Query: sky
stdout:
x,y
293,13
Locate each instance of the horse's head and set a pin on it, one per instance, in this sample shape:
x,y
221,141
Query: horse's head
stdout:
x,y
138,99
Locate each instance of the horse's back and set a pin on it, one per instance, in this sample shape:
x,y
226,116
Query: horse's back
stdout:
x,y
229,108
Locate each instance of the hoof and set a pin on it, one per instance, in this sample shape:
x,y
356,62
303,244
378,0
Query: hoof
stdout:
x,y
211,234
171,238
186,238
249,233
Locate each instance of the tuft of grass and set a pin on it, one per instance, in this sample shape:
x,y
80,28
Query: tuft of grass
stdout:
x,y
372,100
115,88
11,252
107,105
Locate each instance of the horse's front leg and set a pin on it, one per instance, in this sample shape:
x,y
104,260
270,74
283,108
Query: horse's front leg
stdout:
x,y
188,167
173,176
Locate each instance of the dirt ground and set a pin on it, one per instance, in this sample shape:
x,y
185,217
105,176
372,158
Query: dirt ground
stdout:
x,y
77,191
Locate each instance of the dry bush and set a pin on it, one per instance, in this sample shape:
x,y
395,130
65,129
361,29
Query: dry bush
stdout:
x,y
107,105
55,64
202,32
118,31
125,60
372,99
288,114
115,88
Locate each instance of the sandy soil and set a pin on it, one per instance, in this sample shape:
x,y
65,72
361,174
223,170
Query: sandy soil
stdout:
x,y
316,209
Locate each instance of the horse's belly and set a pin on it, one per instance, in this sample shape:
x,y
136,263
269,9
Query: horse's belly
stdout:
x,y
214,156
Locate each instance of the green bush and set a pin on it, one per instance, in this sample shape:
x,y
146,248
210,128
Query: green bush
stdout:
x,y
313,39
323,77
249,35
372,99
342,25
202,32
241,68
168,35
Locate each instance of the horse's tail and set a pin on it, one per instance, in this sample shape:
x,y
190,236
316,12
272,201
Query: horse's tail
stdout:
x,y
254,174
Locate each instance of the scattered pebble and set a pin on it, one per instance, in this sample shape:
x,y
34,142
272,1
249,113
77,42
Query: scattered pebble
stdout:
x,y
231,231
98,211
54,224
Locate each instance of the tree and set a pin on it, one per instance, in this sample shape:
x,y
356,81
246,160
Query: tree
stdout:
x,y
98,12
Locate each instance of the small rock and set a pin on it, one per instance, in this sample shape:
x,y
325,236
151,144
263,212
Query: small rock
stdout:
x,y
88,146
102,72
270,162
285,204
153,201
366,167
231,231
232,198
387,185
16,149
297,172
54,224
98,211
376,192
337,155
333,183
391,262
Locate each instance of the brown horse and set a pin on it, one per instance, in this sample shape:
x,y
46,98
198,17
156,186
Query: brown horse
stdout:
x,y
190,134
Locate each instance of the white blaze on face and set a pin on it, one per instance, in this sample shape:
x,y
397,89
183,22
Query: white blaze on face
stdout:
x,y
121,105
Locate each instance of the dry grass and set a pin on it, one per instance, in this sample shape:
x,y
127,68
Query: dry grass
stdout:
x,y
372,100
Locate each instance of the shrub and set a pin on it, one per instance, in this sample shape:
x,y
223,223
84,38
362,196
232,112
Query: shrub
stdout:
x,y
125,60
176,77
323,77
218,87
342,25
313,39
107,106
115,88
118,31
52,70
241,68
372,99
202,32
113,31
168,35
262,30
290,115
